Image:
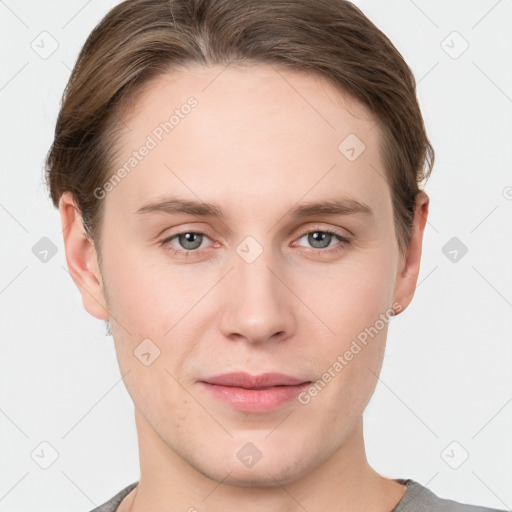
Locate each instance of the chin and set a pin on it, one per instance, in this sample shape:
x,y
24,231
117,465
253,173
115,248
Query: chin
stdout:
x,y
269,473
260,478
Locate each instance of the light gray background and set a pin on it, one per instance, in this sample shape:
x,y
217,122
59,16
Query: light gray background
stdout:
x,y
446,375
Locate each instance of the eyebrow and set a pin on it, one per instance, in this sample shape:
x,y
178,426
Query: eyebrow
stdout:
x,y
341,206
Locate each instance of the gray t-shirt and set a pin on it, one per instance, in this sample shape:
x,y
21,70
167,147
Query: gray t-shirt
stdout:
x,y
417,498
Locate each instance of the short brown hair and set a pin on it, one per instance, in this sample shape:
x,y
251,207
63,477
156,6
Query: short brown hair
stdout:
x,y
139,40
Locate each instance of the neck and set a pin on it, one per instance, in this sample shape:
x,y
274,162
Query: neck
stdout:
x,y
345,481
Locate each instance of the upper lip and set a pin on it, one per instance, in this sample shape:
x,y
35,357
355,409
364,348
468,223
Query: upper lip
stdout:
x,y
245,380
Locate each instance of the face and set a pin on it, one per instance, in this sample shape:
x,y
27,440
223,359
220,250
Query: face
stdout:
x,y
257,277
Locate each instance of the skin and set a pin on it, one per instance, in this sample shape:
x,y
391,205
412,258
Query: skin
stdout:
x,y
259,141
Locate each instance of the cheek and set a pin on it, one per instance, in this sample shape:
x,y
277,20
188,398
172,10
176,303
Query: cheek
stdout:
x,y
150,299
350,296
146,295
353,299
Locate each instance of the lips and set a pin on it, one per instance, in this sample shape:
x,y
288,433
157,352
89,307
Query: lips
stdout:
x,y
247,381
254,393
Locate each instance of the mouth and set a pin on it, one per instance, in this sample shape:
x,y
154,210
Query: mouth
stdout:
x,y
254,393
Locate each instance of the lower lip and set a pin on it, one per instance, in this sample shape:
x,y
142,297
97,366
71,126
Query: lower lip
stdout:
x,y
255,400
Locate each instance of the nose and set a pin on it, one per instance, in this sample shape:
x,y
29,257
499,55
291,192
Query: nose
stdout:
x,y
257,305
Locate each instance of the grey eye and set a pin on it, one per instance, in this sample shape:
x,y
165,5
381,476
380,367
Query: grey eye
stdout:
x,y
190,241
319,239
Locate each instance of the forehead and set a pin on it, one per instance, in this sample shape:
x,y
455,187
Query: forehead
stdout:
x,y
254,132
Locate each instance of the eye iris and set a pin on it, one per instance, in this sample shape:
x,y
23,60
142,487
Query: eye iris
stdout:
x,y
189,240
316,236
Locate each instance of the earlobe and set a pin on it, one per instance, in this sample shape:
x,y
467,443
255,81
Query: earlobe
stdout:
x,y
409,266
82,258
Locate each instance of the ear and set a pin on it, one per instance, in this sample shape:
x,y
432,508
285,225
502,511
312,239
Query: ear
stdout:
x,y
409,265
82,258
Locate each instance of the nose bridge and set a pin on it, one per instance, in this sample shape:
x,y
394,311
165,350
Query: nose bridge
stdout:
x,y
259,304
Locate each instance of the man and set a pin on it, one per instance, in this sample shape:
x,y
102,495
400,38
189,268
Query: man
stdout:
x,y
239,188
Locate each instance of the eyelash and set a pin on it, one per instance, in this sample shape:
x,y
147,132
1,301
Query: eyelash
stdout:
x,y
197,252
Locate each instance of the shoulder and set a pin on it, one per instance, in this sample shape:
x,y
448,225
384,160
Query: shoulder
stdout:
x,y
418,498
112,504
